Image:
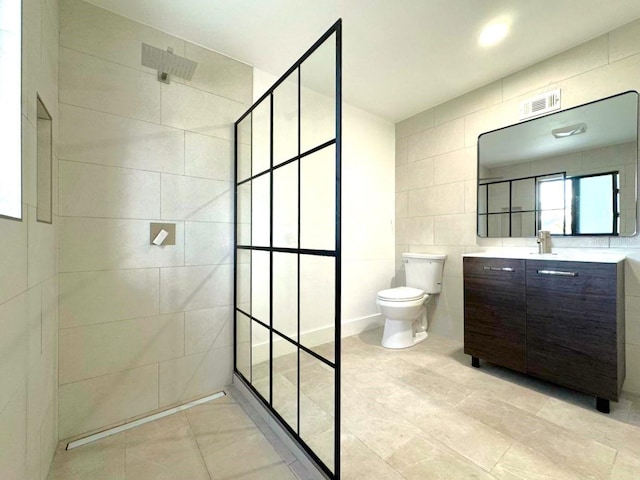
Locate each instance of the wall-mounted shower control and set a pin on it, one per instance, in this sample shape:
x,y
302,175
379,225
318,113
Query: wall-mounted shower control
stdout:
x,y
162,234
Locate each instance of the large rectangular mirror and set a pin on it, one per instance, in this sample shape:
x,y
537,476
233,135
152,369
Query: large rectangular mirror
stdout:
x,y
572,172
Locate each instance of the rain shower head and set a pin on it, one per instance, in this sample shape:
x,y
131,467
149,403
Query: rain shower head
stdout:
x,y
167,63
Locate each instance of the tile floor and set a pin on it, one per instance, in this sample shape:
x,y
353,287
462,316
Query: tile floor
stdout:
x,y
421,413
425,413
216,440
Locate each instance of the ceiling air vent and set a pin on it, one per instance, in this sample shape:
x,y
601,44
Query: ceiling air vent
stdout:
x,y
540,104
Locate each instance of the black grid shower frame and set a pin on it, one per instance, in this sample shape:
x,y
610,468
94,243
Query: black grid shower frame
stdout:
x,y
537,209
336,253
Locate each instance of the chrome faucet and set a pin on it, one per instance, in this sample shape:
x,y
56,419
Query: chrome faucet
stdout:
x,y
544,241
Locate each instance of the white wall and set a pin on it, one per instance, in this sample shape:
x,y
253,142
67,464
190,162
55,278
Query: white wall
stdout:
x,y
367,213
436,171
142,327
28,275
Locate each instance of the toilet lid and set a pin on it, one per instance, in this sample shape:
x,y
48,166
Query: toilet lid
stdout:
x,y
401,294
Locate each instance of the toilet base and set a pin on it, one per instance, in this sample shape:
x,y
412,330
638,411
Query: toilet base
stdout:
x,y
399,334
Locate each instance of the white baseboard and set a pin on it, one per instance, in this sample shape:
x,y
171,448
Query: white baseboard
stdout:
x,y
362,324
318,336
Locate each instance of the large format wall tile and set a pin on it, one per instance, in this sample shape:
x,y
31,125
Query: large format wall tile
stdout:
x,y
207,329
13,275
193,288
96,191
478,99
609,80
208,243
189,198
96,297
192,109
50,294
437,200
496,116
632,381
454,229
415,175
440,139
43,250
220,74
95,137
632,312
48,438
98,32
414,230
94,350
582,58
208,157
624,41
455,166
110,244
34,325
90,82
101,401
126,143
194,376
417,123
14,343
13,437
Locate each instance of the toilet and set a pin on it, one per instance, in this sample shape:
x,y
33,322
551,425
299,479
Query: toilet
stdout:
x,y
404,308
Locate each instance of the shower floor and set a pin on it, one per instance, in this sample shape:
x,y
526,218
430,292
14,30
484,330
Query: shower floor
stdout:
x,y
216,440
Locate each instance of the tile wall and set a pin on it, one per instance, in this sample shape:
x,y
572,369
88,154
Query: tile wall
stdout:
x,y
28,276
436,171
142,327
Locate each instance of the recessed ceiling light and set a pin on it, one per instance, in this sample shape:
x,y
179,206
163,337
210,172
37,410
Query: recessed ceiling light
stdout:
x,y
493,33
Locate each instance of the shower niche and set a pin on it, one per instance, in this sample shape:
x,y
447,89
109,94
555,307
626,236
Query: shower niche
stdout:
x,y
287,250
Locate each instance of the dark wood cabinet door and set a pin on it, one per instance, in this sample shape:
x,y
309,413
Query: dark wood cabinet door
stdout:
x,y
495,310
572,326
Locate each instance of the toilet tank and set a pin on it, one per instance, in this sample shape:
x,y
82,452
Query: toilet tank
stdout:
x,y
424,271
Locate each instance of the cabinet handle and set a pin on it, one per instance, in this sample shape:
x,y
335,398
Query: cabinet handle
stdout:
x,y
500,269
558,273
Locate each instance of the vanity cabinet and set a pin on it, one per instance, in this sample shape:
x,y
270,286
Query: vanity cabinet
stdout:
x,y
494,297
561,321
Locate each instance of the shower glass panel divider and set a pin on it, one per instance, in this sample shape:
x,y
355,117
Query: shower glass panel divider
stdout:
x,y
287,328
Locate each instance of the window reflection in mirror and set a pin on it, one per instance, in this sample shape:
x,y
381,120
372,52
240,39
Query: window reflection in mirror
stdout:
x,y
10,111
577,183
580,205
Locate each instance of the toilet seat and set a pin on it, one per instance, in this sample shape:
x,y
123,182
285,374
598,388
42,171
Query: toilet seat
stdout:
x,y
401,294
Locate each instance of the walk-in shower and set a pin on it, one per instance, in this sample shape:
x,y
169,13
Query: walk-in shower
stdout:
x,y
287,249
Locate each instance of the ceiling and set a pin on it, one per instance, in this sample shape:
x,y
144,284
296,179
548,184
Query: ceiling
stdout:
x,y
400,56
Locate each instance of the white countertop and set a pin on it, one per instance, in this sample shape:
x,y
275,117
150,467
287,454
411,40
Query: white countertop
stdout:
x,y
563,257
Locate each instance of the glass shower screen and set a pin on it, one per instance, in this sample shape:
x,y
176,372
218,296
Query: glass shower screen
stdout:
x,y
287,250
